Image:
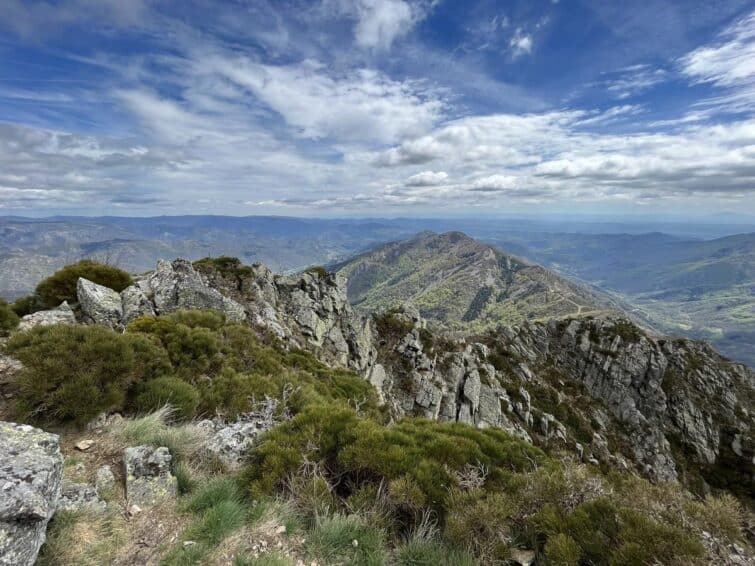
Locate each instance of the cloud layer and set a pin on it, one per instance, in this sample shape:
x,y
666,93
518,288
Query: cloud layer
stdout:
x,y
193,120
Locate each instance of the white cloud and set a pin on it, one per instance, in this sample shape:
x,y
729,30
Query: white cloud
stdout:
x,y
521,43
633,80
427,179
728,64
363,106
378,23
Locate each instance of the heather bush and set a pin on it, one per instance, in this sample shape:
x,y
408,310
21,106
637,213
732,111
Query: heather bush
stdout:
x,y
168,390
72,373
8,318
61,286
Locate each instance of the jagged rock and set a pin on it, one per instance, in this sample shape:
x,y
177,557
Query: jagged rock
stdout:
x,y
230,442
99,304
79,497
105,482
63,314
31,469
135,303
176,286
148,476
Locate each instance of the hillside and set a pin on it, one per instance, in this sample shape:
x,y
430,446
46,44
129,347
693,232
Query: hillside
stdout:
x,y
703,289
455,279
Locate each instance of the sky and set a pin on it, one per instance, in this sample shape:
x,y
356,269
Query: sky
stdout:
x,y
377,107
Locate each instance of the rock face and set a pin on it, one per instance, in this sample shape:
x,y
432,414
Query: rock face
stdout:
x,y
31,469
148,477
308,310
230,442
673,408
176,286
135,303
99,304
63,314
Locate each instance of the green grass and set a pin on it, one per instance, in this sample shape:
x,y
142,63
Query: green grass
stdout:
x,y
346,540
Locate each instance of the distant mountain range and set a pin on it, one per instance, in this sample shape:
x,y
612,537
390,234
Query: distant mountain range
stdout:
x,y
694,280
454,279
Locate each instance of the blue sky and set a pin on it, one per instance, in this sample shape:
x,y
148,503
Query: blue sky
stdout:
x,y
377,107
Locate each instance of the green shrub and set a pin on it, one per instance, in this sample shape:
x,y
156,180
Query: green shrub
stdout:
x,y
8,318
561,550
318,270
169,390
28,305
72,373
61,286
480,522
356,449
193,351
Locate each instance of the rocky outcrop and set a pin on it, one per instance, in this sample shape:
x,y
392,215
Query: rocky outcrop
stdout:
x,y
177,286
148,476
99,304
135,303
600,387
31,469
309,310
230,442
63,314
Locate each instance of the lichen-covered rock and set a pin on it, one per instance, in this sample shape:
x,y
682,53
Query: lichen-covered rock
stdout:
x,y
31,469
80,497
230,442
309,310
177,286
99,304
148,476
63,314
105,482
135,303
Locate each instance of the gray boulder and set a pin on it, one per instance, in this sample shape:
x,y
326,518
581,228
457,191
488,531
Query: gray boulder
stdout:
x,y
80,497
231,442
105,482
135,303
177,286
62,314
99,304
148,477
31,469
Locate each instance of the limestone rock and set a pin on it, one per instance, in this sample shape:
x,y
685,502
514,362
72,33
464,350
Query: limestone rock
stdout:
x,y
99,304
148,476
63,314
31,469
176,286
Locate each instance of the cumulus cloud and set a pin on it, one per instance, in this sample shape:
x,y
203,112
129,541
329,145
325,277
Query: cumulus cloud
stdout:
x,y
427,179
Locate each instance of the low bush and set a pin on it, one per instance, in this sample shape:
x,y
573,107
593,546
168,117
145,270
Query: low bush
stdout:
x,y
28,305
61,286
169,390
8,318
73,373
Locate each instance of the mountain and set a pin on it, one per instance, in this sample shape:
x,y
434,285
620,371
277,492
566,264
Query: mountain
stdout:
x,y
455,279
703,289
